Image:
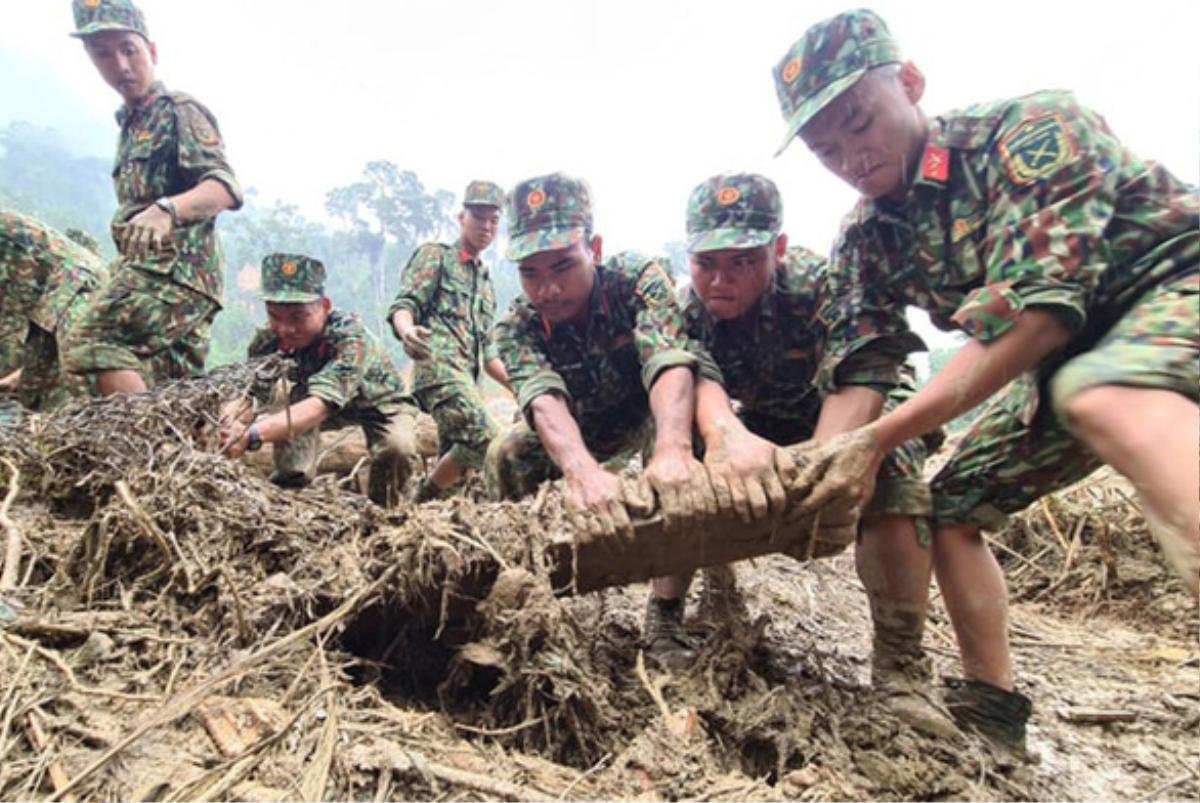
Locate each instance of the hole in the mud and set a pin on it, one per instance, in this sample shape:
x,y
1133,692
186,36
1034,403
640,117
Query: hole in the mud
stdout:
x,y
407,650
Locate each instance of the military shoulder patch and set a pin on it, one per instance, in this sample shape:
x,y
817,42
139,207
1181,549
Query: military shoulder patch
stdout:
x,y
201,127
1036,148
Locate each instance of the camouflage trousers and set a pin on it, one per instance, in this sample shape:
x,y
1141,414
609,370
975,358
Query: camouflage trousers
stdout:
x,y
44,384
1019,450
517,462
464,427
390,434
144,322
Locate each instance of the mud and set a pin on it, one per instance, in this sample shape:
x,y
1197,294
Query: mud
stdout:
x,y
206,635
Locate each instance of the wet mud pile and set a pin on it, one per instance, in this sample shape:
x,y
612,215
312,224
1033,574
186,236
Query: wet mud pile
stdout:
x,y
174,627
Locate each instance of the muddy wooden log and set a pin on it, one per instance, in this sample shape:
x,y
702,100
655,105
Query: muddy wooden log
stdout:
x,y
653,551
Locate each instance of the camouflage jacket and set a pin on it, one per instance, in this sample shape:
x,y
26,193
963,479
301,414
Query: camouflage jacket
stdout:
x,y
41,271
344,366
169,144
452,294
1017,204
604,368
769,357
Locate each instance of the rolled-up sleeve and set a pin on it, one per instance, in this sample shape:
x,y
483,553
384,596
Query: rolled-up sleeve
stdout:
x,y
418,282
202,150
659,333
868,337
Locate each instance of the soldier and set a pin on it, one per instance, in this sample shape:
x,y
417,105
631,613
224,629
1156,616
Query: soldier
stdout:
x,y
1072,264
443,315
602,368
341,377
151,322
754,304
46,280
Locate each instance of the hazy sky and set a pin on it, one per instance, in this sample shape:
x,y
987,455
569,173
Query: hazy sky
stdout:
x,y
644,99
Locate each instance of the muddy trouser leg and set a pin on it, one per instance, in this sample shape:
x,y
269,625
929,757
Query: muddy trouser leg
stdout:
x,y
516,463
391,438
296,460
901,508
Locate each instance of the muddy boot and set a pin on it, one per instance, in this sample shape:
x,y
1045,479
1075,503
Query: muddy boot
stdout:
x,y
998,715
426,492
662,632
902,672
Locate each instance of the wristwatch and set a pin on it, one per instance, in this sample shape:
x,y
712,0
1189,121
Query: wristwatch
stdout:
x,y
254,440
167,205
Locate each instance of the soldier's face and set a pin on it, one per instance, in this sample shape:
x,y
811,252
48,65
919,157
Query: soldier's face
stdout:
x,y
297,325
872,134
479,226
731,281
559,283
125,61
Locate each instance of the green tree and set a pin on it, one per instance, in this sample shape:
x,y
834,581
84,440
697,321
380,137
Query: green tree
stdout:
x,y
389,214
42,176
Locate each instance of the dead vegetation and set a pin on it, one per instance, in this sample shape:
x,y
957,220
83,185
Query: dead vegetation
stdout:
x,y
177,628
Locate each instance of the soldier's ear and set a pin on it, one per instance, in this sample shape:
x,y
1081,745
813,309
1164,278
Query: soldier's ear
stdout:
x,y
913,81
596,246
781,243
153,48
326,304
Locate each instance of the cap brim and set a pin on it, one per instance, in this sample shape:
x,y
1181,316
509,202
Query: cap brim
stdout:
x,y
526,245
809,108
289,297
721,239
102,27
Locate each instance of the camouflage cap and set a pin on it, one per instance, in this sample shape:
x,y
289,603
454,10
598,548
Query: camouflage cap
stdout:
x,y
733,210
829,59
548,212
97,16
292,279
484,193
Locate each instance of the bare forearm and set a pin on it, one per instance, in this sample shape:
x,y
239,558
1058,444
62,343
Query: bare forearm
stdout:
x,y
560,434
848,409
496,370
673,405
714,413
402,321
295,420
204,201
976,372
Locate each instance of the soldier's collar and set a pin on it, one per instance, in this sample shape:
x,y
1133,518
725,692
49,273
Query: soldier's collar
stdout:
x,y
932,174
156,90
464,256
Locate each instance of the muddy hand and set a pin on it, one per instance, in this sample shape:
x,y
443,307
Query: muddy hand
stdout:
x,y
596,507
683,489
147,233
416,343
839,472
744,471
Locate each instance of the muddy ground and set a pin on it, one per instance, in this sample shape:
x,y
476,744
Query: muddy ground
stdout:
x,y
182,630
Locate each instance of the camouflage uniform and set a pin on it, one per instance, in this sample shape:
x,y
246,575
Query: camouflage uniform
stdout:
x,y
450,292
604,369
155,315
769,357
45,283
346,368
1029,203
